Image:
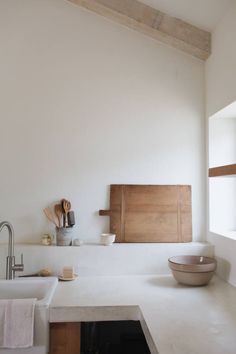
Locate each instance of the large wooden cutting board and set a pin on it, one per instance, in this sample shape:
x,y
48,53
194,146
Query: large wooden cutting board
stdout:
x,y
150,213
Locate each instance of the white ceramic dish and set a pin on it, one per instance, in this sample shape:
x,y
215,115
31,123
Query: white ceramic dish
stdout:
x,y
107,239
78,242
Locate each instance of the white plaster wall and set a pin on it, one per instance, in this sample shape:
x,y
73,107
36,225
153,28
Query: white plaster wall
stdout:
x,y
221,91
222,204
220,67
225,254
222,191
95,259
86,103
222,141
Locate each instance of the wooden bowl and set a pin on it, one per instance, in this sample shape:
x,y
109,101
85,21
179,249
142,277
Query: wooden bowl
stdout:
x,y
192,270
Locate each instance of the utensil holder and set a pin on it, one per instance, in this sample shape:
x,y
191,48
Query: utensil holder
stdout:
x,y
64,236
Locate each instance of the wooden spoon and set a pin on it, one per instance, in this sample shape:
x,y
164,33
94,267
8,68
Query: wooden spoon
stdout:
x,y
50,216
66,206
59,213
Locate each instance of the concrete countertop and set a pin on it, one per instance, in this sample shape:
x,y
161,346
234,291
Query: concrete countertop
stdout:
x,y
176,319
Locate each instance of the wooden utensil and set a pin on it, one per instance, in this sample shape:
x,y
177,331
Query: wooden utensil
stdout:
x,y
42,273
59,213
66,206
50,216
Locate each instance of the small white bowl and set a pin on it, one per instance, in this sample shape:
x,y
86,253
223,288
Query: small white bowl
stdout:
x,y
107,239
78,242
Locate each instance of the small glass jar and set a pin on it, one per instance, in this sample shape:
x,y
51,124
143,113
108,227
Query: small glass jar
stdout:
x,y
46,240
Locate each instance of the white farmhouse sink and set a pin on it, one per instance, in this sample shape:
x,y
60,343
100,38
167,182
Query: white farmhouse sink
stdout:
x,y
42,289
22,288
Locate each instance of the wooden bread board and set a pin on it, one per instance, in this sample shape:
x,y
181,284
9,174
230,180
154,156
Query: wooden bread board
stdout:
x,y
150,213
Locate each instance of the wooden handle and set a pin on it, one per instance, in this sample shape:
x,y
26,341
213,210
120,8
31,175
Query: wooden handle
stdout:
x,y
105,212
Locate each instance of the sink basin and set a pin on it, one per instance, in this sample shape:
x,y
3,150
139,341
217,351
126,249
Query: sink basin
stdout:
x,y
192,270
42,289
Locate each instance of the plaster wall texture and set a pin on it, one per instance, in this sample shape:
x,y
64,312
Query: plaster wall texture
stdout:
x,y
220,92
86,103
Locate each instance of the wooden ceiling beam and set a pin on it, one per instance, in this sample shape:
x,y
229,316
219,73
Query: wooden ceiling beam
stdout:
x,y
153,23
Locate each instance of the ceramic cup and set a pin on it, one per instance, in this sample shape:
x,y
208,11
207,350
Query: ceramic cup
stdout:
x,y
107,239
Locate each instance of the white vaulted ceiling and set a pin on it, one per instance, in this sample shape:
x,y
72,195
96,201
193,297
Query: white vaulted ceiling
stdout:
x,y
201,13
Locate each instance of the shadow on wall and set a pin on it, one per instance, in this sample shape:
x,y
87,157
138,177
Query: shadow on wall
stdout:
x,y
223,268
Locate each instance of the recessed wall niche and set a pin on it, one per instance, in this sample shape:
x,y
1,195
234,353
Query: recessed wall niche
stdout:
x,y
222,170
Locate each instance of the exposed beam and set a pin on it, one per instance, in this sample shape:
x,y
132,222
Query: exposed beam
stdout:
x,y
153,23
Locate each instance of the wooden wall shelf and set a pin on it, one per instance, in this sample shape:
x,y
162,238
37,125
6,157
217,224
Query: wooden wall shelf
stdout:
x,y
227,170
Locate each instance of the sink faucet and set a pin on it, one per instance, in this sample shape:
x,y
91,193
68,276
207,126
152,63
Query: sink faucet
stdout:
x,y
11,266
